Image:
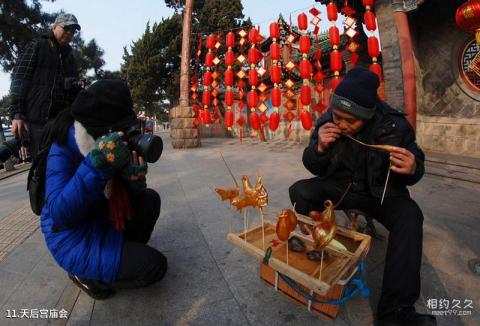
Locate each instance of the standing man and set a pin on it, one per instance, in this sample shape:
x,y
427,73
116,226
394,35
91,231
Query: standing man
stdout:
x,y
342,165
44,81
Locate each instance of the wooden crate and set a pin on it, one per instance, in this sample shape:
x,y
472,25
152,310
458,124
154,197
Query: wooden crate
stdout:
x,y
335,271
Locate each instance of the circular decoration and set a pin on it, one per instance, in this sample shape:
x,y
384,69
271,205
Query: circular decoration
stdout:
x,y
469,65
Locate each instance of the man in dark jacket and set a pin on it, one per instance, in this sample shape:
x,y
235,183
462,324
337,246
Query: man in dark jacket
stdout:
x,y
43,80
343,165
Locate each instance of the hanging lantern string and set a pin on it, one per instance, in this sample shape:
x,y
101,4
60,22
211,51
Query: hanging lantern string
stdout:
x,y
247,26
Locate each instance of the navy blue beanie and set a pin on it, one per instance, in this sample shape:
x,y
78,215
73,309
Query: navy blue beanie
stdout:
x,y
357,93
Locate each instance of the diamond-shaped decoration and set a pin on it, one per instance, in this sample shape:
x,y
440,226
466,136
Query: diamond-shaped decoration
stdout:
x,y
263,97
290,65
241,83
214,92
316,30
194,96
214,85
242,33
241,121
315,21
290,38
349,21
289,116
240,105
215,74
289,93
289,83
351,32
215,101
194,88
241,58
289,105
263,107
216,61
314,11
262,87
240,95
353,46
348,11
218,45
241,74
261,71
242,41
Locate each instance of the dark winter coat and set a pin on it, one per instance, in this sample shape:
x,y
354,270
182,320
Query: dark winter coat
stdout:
x,y
38,80
388,126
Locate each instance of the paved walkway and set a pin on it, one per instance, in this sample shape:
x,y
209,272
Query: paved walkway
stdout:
x,y
211,282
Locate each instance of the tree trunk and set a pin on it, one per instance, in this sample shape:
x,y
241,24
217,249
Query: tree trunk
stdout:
x,y
185,63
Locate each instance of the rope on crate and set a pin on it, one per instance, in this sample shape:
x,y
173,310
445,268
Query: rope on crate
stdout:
x,y
268,254
353,288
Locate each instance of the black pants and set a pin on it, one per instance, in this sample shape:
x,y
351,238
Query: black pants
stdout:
x,y
400,215
141,265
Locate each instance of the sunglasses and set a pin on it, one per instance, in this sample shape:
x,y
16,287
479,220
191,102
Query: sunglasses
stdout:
x,y
70,29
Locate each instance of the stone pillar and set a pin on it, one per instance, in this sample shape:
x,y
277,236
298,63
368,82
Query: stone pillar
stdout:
x,y
391,60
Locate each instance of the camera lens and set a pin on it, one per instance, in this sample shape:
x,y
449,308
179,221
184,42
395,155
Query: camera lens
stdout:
x,y
148,146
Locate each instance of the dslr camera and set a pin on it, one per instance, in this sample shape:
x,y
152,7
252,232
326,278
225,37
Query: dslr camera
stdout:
x,y
72,83
148,146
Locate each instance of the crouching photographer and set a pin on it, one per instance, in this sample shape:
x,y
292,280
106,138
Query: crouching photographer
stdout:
x,y
98,213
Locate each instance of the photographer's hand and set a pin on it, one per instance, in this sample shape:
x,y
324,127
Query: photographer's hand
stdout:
x,y
110,150
134,173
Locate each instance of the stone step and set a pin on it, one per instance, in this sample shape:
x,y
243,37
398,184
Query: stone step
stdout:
x,y
462,171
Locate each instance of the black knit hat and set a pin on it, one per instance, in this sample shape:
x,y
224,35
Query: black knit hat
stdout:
x,y
357,93
105,105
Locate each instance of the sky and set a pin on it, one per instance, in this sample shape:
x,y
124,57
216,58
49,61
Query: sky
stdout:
x,y
117,23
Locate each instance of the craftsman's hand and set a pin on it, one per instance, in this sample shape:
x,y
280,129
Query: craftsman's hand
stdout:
x,y
19,128
403,161
327,134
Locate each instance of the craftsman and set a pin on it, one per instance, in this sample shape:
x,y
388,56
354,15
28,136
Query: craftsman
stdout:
x,y
338,161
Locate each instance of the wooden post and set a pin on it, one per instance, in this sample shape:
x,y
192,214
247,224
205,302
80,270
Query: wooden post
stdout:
x,y
184,63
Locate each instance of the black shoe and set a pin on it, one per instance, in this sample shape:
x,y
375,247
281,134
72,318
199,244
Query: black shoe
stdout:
x,y
407,317
96,290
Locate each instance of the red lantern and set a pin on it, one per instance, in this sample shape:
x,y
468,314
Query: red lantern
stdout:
x,y
369,19
332,11
253,36
274,30
302,21
275,51
306,119
254,120
229,119
276,96
207,78
206,99
305,69
376,68
229,58
252,99
368,3
253,56
209,59
252,77
467,18
275,74
334,35
305,95
206,117
211,42
335,82
373,47
228,77
304,44
230,40
336,63
274,121
229,97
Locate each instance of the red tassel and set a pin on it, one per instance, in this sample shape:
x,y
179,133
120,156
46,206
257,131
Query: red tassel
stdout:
x,y
119,204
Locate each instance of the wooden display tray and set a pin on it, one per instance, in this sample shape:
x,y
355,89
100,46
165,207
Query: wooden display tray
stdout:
x,y
335,271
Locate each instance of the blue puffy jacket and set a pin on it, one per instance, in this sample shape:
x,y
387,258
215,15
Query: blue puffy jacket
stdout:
x,y
75,219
